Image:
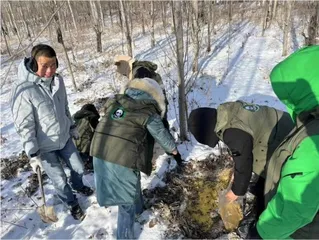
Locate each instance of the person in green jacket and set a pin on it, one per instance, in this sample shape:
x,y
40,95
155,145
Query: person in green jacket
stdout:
x,y
292,180
252,132
122,148
132,68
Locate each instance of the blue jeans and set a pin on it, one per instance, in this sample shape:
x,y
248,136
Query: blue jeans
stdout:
x,y
126,214
53,168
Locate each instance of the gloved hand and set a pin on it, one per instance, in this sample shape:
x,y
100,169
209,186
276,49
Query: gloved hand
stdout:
x,y
74,133
35,162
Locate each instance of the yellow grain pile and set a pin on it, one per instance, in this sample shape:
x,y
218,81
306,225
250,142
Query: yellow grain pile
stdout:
x,y
205,198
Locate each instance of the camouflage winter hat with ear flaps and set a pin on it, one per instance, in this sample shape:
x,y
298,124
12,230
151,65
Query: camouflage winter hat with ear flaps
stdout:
x,y
124,65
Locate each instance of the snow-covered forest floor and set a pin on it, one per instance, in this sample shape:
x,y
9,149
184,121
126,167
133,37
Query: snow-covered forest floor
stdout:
x,y
238,67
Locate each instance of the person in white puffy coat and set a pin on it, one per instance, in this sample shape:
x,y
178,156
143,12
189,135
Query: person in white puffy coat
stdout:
x,y
42,119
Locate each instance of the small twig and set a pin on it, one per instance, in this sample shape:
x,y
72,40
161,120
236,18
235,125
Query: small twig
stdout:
x,y
14,224
22,209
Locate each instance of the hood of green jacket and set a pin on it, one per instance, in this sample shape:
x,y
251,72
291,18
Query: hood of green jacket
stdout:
x,y
295,80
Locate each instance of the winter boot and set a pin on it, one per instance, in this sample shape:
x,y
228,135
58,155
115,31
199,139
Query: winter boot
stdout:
x,y
77,212
88,164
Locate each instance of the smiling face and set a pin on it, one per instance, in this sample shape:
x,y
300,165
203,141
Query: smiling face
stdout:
x,y
46,66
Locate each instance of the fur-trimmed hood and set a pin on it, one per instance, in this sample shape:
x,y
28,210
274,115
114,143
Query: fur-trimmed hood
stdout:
x,y
149,86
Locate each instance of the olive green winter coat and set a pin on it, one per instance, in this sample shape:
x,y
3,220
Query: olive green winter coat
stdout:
x,y
267,126
124,127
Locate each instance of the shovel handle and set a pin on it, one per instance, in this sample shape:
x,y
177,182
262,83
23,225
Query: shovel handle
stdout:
x,y
41,184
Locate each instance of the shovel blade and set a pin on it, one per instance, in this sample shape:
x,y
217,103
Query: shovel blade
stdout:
x,y
47,214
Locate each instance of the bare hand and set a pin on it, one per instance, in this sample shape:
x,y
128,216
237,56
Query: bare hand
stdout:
x,y
175,152
230,196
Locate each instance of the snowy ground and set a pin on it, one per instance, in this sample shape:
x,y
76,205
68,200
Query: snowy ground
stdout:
x,y
233,70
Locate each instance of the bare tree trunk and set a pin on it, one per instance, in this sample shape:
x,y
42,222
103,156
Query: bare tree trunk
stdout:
x,y
72,15
270,13
188,12
153,23
313,26
60,40
97,25
65,20
60,20
13,22
163,4
213,17
4,26
72,45
43,7
51,31
110,13
120,16
230,15
274,9
127,29
10,24
208,25
287,27
99,41
101,13
195,24
4,33
266,18
25,23
129,10
178,29
69,66
142,7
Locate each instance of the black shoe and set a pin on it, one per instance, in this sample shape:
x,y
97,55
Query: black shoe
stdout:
x,y
88,166
77,212
86,191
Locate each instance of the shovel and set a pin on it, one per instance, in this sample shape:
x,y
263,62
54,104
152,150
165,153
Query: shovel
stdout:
x,y
47,214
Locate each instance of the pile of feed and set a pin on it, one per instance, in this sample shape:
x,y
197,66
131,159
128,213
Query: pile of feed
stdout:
x,y
188,203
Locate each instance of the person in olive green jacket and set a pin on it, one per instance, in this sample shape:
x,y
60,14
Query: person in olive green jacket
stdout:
x,y
132,68
292,180
251,131
122,147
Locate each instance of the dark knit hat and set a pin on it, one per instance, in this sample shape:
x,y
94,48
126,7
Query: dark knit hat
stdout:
x,y
201,123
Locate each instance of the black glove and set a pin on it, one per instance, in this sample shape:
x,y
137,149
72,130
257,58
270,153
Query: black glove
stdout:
x,y
253,233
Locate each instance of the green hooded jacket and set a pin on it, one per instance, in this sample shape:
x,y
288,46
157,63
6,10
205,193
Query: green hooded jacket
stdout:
x,y
292,209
